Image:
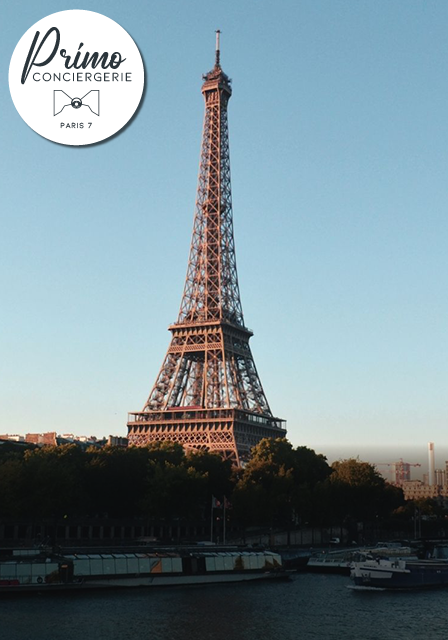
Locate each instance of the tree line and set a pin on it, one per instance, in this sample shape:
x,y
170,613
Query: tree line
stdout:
x,y
279,486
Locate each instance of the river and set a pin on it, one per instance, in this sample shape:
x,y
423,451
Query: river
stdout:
x,y
308,607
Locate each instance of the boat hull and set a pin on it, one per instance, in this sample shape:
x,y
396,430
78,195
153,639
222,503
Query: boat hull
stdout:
x,y
122,582
339,568
408,575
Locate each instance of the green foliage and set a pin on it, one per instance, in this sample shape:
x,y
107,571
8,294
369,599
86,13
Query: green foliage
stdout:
x,y
115,480
218,472
277,482
51,476
175,490
157,481
311,468
13,489
357,492
166,452
355,473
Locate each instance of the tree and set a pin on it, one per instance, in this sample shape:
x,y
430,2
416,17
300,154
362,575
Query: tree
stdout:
x,y
52,476
357,491
217,470
355,473
115,481
277,482
174,491
13,489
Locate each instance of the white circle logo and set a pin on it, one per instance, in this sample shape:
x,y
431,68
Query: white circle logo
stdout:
x,y
76,77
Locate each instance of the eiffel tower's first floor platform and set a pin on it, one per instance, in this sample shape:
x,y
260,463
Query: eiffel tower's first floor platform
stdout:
x,y
229,432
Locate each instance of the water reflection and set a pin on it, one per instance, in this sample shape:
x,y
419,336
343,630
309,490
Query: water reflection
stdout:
x,y
309,607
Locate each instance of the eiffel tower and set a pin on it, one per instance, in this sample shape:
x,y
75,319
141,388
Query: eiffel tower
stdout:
x,y
208,394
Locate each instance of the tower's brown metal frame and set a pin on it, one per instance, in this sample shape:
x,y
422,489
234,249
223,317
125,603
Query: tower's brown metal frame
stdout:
x,y
208,393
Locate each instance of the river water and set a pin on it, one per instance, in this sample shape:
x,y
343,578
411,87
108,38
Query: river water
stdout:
x,y
308,607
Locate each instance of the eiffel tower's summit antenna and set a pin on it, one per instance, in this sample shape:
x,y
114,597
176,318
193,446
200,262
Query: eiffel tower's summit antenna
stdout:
x,y
217,48
208,394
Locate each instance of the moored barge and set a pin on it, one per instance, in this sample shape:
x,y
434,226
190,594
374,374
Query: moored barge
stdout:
x,y
28,572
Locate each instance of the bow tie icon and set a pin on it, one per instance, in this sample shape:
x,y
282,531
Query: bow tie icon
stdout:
x,y
62,100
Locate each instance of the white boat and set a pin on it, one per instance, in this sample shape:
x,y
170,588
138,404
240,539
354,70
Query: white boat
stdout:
x,y
140,569
399,574
402,573
341,561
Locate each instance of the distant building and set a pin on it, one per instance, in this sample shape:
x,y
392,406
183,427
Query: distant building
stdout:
x,y
417,490
15,438
42,438
117,441
440,476
402,472
52,439
432,475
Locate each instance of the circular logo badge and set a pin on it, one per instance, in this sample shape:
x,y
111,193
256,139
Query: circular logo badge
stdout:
x,y
76,77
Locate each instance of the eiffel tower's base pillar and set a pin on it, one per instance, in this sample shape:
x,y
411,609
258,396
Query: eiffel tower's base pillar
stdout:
x,y
230,432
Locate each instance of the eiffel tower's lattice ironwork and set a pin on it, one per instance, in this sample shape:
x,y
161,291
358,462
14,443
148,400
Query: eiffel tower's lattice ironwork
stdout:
x,y
208,393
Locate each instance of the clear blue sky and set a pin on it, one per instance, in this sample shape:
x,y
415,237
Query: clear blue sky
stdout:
x,y
339,153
